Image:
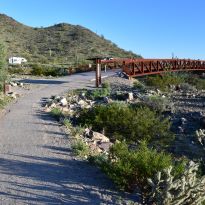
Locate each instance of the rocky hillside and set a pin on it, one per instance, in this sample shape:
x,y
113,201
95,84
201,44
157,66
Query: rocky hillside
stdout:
x,y
61,43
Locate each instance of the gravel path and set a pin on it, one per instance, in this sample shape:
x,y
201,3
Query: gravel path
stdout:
x,y
36,166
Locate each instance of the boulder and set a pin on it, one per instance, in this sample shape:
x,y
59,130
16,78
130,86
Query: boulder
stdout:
x,y
82,103
130,96
107,100
105,146
183,121
96,136
99,137
13,84
53,105
63,102
94,148
12,95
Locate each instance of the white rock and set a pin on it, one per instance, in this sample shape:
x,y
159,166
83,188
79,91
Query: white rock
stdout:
x,y
63,102
130,96
81,102
99,137
13,84
53,105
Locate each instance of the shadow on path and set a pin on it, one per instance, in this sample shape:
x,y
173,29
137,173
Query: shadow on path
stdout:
x,y
71,179
43,81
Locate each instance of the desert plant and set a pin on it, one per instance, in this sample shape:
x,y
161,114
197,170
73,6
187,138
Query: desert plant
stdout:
x,y
99,93
159,103
200,135
4,100
138,85
80,148
130,169
67,123
199,83
3,68
121,121
187,188
164,81
57,113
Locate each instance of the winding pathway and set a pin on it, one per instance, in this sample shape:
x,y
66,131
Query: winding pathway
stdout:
x,y
36,166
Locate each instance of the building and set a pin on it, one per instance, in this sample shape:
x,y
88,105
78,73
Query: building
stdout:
x,y
17,60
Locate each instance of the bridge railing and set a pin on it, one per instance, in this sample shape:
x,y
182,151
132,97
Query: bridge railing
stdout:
x,y
139,67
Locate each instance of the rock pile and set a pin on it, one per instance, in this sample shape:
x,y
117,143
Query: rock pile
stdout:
x,y
96,141
71,104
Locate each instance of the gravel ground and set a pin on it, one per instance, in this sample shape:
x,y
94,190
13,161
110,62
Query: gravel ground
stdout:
x,y
36,165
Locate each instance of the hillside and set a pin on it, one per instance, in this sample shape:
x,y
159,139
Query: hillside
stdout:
x,y
61,43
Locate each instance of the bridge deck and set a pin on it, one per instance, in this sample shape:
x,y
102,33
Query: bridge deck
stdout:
x,y
140,67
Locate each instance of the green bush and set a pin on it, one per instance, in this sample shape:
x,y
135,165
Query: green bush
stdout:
x,y
130,169
100,93
67,123
199,83
57,113
3,67
159,103
138,85
80,148
4,100
164,81
38,69
121,121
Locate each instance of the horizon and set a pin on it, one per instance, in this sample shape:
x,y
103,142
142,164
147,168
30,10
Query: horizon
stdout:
x,y
173,32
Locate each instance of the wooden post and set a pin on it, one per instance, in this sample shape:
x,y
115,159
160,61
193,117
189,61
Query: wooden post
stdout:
x,y
6,88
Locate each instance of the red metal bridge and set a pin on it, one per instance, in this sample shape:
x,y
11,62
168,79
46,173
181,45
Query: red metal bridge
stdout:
x,y
140,67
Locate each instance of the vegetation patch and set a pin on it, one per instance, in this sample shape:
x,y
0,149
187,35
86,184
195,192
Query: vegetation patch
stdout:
x,y
4,100
164,81
80,148
121,121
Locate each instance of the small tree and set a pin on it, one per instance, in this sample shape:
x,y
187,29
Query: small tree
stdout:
x,y
3,68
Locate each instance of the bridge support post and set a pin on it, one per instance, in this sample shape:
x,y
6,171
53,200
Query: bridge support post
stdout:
x,y
98,73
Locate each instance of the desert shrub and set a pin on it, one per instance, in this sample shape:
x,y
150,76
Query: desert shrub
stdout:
x,y
38,69
57,113
199,83
67,123
100,92
98,160
80,148
138,85
3,68
159,103
16,70
130,169
121,121
164,81
187,87
4,100
77,131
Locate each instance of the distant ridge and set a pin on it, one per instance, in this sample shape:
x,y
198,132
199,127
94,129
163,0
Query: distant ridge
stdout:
x,y
61,43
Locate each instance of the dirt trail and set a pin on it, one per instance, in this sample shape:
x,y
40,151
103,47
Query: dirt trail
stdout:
x,y
36,166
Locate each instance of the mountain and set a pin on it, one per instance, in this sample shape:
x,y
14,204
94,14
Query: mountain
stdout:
x,y
61,43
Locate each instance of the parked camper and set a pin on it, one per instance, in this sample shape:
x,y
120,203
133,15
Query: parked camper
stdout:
x,y
17,60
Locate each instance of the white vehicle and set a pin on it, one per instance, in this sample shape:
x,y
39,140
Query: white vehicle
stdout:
x,y
17,60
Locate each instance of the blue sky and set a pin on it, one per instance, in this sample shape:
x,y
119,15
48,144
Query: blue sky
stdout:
x,y
152,28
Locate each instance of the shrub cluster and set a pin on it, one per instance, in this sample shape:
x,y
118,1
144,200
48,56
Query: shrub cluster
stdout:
x,y
3,69
121,121
130,169
164,81
101,92
38,69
